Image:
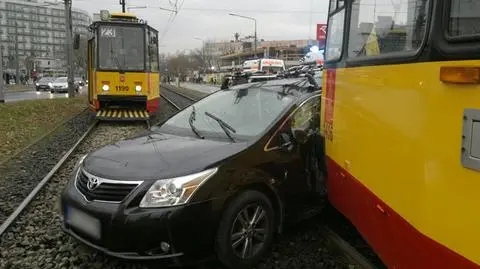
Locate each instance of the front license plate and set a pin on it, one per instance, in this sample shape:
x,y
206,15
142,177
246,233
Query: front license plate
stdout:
x,y
83,222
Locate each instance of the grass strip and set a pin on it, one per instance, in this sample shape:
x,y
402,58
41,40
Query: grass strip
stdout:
x,y
23,122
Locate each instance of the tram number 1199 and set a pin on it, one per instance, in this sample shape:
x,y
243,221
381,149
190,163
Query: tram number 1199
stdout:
x,y
122,88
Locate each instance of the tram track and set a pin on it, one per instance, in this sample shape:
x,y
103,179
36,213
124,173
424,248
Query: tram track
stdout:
x,y
176,98
88,140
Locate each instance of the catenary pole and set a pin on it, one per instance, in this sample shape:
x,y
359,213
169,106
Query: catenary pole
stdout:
x,y
69,47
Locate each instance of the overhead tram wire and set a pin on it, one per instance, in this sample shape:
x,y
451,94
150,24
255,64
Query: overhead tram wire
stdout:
x,y
254,11
223,10
177,9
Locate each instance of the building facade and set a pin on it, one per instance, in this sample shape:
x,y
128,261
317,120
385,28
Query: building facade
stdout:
x,y
33,29
291,51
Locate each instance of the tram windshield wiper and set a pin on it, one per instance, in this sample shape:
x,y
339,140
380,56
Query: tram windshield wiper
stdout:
x,y
191,120
114,57
225,126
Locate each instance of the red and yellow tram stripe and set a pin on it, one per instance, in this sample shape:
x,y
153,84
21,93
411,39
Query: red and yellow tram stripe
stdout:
x,y
393,142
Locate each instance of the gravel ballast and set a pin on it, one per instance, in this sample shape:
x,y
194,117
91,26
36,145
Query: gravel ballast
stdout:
x,y
22,173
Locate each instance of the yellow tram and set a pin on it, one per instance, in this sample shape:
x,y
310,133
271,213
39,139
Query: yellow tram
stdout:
x,y
123,68
401,119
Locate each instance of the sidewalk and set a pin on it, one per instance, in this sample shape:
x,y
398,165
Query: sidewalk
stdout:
x,y
18,88
207,88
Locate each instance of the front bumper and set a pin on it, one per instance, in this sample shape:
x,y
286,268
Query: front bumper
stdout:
x,y
42,87
132,233
121,255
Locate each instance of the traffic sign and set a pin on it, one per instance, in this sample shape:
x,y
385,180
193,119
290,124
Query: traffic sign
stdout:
x,y
321,32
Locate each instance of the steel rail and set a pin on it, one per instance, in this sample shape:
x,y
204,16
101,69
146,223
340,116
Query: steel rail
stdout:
x,y
11,219
343,246
171,102
181,94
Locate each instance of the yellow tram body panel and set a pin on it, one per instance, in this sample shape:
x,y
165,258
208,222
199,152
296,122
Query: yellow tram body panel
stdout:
x,y
394,140
125,84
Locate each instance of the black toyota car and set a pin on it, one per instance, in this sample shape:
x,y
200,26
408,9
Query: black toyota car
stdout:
x,y
217,180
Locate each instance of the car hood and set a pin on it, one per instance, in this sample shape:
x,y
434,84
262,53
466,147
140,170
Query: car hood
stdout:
x,y
155,156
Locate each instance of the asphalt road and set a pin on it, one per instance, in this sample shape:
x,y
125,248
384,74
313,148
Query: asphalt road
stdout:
x,y
33,95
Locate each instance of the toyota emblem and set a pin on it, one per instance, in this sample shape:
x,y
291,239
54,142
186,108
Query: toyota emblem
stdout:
x,y
93,183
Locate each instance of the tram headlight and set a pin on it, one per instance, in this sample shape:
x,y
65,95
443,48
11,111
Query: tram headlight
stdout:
x,y
106,88
175,191
138,88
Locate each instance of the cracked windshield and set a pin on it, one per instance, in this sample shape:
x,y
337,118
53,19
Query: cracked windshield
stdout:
x,y
322,134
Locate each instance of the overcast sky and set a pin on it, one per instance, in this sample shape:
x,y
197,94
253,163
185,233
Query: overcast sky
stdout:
x,y
276,19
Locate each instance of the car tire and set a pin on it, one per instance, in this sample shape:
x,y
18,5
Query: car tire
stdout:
x,y
234,223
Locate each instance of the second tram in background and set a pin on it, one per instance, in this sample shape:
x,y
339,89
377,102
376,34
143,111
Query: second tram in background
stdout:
x,y
123,69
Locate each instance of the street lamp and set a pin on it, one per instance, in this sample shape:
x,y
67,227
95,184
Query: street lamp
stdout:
x,y
249,18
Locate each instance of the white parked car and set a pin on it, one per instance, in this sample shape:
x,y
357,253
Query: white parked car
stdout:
x,y
60,84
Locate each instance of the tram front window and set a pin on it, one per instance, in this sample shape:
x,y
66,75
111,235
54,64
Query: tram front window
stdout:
x,y
121,48
464,18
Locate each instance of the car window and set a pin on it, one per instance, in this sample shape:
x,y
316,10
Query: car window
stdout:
x,y
46,79
306,118
249,111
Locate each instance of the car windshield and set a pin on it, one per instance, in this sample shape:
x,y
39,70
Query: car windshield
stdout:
x,y
62,79
119,53
249,109
46,79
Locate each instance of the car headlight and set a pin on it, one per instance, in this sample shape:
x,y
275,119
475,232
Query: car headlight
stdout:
x,y
50,85
36,84
138,88
175,191
106,88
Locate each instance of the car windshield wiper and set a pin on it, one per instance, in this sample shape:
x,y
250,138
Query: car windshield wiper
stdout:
x,y
225,126
191,120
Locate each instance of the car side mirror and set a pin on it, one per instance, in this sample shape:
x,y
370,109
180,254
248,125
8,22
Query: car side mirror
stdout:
x,y
286,143
300,136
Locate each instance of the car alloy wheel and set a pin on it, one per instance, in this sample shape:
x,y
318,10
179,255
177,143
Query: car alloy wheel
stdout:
x,y
248,233
246,230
